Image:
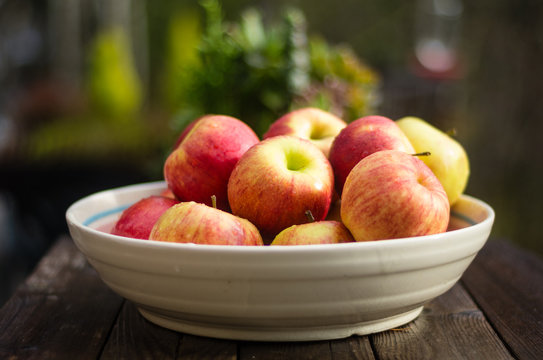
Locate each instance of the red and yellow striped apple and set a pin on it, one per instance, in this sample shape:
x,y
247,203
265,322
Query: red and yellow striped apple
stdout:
x,y
361,138
191,222
276,181
391,194
316,125
318,232
201,163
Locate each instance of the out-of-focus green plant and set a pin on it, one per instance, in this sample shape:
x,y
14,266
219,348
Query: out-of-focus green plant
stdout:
x,y
114,87
257,72
182,40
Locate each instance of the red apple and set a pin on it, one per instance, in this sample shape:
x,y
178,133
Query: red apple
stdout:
x,y
316,125
185,131
318,232
361,138
276,181
191,222
137,220
391,194
168,193
202,162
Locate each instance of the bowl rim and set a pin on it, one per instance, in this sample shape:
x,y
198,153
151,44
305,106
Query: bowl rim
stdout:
x,y
84,226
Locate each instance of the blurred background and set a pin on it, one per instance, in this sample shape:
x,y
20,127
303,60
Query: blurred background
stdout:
x,y
93,93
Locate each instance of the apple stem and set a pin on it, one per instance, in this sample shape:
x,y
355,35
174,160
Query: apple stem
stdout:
x,y
451,132
309,216
424,153
214,201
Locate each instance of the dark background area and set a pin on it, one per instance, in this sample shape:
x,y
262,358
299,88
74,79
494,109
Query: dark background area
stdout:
x,y
488,88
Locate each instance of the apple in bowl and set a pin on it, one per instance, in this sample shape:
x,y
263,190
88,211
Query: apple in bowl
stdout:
x,y
391,194
318,232
200,165
361,138
191,222
316,125
138,220
448,159
277,181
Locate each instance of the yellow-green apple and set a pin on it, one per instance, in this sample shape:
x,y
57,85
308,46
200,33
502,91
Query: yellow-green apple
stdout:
x,y
391,194
277,180
448,159
200,165
361,138
316,125
191,222
318,232
137,220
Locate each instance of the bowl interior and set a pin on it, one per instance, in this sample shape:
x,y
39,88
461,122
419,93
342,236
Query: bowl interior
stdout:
x,y
100,211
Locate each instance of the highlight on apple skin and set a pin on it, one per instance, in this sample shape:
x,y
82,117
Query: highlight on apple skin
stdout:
x,y
361,138
137,220
191,222
277,180
313,124
448,160
202,162
318,232
391,194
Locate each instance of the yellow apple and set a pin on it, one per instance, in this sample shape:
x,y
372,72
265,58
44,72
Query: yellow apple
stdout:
x,y
448,159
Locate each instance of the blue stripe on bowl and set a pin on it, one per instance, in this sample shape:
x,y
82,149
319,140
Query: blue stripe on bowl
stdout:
x,y
121,208
103,214
463,217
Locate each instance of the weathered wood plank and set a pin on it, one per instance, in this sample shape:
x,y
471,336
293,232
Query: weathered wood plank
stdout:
x,y
133,337
203,348
450,327
290,350
507,283
352,348
46,317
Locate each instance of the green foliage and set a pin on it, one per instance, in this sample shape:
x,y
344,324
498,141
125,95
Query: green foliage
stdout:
x,y
257,72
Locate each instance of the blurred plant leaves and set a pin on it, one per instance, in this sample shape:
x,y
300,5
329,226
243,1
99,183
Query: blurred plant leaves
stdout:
x,y
257,71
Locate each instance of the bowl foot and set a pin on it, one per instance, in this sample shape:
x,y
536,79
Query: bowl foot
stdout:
x,y
252,333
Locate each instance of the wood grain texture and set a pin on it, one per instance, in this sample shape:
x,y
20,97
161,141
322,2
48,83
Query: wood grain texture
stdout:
x,y
507,282
287,351
47,319
197,347
65,311
352,348
450,327
133,337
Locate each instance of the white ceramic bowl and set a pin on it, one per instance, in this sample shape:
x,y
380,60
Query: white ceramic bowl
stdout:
x,y
283,293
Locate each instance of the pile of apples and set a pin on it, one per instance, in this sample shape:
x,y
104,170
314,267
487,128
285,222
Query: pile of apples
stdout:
x,y
312,179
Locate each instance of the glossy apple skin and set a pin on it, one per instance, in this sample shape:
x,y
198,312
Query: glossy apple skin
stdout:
x,y
316,125
448,159
391,194
361,138
318,232
201,164
191,222
137,220
277,181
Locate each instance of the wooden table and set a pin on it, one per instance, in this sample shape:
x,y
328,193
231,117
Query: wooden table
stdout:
x,y
64,311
